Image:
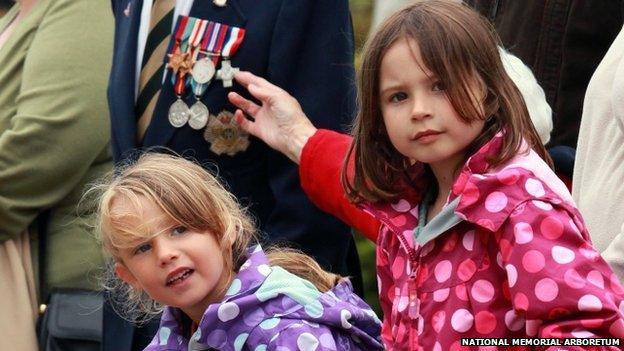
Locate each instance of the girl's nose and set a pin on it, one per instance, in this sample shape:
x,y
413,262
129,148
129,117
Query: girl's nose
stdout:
x,y
167,253
421,109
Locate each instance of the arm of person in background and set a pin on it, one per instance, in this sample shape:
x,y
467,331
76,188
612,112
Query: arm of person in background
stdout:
x,y
60,125
533,94
280,122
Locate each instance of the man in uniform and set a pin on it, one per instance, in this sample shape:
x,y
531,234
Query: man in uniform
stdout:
x,y
172,69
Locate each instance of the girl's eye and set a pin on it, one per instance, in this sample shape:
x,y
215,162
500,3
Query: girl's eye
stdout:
x,y
142,248
438,86
179,230
398,97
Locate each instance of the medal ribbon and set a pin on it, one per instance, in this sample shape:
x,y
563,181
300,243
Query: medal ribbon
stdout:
x,y
212,43
182,44
232,43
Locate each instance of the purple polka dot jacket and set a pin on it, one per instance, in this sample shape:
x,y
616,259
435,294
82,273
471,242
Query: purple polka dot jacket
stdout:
x,y
519,262
268,308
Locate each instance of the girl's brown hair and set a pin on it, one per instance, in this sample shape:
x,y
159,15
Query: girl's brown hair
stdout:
x,y
191,197
460,48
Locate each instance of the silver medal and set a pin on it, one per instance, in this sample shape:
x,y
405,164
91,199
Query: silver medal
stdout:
x,y
203,71
199,116
179,113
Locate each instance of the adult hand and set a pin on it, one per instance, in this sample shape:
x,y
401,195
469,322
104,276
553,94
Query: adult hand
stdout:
x,y
279,120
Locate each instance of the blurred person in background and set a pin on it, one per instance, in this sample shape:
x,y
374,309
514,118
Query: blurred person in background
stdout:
x,y
54,139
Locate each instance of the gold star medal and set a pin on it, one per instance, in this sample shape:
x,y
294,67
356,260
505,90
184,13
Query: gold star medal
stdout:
x,y
225,135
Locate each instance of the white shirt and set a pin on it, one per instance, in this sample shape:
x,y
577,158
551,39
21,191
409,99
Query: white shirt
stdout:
x,y
182,8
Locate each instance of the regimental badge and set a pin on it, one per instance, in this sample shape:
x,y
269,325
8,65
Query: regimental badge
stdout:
x,y
225,135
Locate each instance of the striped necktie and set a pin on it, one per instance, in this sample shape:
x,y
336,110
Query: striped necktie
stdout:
x,y
153,64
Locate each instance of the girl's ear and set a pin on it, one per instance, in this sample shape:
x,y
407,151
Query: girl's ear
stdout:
x,y
124,274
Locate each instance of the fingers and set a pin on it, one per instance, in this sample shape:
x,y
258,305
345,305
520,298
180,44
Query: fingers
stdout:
x,y
246,105
245,124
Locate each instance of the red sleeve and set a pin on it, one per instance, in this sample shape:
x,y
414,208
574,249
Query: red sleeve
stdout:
x,y
319,171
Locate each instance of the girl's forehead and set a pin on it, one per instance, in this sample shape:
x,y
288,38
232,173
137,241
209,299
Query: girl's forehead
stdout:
x,y
139,212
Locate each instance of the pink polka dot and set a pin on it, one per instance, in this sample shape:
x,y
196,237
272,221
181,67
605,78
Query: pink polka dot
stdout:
x,y
485,322
582,333
441,295
513,321
437,346
402,303
443,270
508,176
551,228
551,331
466,269
401,206
615,285
542,205
617,329
461,292
573,279
595,277
512,274
534,187
533,261
482,291
470,194
519,210
589,303
486,223
521,302
589,252
562,255
523,232
450,243
399,220
505,248
468,240
438,320
592,323
532,326
496,202
546,290
462,320
398,267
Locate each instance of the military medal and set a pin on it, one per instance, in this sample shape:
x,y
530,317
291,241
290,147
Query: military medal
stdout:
x,y
198,115
225,135
180,62
220,3
179,113
234,39
203,71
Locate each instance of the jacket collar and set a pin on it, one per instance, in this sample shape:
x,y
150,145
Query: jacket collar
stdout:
x,y
476,191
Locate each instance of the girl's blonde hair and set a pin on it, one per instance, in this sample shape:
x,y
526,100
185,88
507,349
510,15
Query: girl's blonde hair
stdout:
x,y
460,48
192,197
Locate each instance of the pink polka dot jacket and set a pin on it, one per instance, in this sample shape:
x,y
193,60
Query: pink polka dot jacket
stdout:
x,y
268,308
518,262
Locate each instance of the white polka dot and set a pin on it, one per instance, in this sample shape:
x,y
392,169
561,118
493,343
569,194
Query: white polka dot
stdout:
x,y
441,295
245,265
257,248
344,319
562,255
534,187
582,333
462,320
546,290
532,326
523,232
270,323
235,287
402,303
437,346
499,259
496,202
163,335
261,347
307,342
468,240
264,269
595,277
589,303
482,291
443,270
401,206
512,275
514,321
314,309
542,205
239,342
228,311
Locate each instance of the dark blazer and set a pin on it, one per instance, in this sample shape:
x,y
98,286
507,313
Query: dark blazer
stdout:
x,y
305,47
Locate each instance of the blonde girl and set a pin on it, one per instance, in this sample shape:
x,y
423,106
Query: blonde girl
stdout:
x,y
476,236
178,239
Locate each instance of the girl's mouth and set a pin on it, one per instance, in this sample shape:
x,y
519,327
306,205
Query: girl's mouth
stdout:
x,y
178,276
